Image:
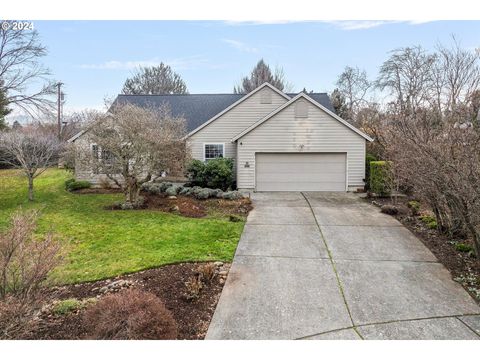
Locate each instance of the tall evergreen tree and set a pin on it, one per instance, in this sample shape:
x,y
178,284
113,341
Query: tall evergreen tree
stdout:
x,y
155,80
4,110
261,73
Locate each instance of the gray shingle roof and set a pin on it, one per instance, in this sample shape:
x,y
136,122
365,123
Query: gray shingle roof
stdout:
x,y
198,108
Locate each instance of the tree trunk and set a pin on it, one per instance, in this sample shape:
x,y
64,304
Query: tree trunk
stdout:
x,y
30,188
132,192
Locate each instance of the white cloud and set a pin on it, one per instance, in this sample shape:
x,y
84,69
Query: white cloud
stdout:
x,y
368,24
261,22
241,46
358,24
177,64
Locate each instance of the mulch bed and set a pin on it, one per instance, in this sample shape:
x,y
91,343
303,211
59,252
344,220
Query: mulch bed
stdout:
x,y
166,282
464,268
190,207
97,191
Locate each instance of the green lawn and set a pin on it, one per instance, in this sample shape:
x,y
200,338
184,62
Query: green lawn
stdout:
x,y
104,243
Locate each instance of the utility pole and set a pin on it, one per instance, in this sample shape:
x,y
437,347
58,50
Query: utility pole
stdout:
x,y
59,104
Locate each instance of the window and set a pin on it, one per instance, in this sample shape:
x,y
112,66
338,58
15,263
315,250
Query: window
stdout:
x,y
301,109
213,151
103,160
95,155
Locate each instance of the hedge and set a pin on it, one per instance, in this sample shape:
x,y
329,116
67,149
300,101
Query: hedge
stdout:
x,y
72,185
379,178
216,173
368,159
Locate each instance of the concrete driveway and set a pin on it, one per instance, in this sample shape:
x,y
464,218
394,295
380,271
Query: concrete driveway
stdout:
x,y
330,266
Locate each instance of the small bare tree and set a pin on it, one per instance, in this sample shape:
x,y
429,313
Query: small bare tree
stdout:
x,y
25,263
30,151
20,51
134,145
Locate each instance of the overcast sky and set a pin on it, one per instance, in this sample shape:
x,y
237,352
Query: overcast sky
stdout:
x,y
93,58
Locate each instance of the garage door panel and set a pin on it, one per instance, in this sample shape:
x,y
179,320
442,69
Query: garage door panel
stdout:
x,y
300,172
333,186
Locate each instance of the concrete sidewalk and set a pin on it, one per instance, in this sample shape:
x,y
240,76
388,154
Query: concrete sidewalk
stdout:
x,y
330,266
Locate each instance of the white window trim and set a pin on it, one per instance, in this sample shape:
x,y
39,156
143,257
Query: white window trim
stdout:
x,y
211,143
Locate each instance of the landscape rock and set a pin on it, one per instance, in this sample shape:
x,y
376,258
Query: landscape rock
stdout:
x,y
116,286
389,209
172,197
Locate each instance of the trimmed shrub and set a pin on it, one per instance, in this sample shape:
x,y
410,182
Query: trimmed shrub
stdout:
x,y
77,185
172,190
219,174
164,186
379,178
195,173
130,315
184,191
216,173
203,194
232,195
368,159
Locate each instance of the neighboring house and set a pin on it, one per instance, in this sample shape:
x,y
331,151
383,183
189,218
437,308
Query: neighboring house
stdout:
x,y
279,141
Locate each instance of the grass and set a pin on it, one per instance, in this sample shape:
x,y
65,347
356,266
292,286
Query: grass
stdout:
x,y
104,243
66,306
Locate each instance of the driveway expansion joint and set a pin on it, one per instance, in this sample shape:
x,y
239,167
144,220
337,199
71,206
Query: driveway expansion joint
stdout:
x,y
284,257
339,283
467,325
393,322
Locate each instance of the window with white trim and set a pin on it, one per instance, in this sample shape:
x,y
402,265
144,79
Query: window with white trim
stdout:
x,y
213,151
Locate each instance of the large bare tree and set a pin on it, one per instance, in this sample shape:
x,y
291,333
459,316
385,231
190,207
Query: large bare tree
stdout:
x,y
30,151
407,76
24,80
460,72
135,145
353,85
155,80
262,73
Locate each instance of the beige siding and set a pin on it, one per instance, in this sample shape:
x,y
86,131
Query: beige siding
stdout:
x,y
234,122
83,170
319,132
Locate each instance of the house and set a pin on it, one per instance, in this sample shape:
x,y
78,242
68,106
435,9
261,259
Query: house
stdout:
x,y
279,141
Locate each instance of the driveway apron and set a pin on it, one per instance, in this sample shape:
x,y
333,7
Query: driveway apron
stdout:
x,y
330,266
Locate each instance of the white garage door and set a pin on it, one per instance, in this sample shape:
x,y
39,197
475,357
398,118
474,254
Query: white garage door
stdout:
x,y
300,172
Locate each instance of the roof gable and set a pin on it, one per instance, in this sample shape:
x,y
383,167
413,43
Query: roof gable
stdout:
x,y
312,101
242,99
